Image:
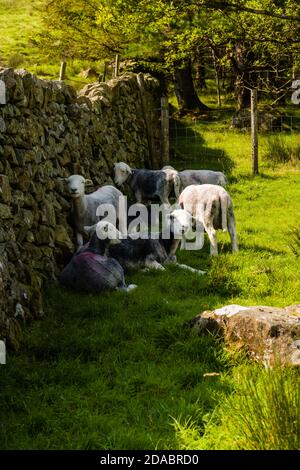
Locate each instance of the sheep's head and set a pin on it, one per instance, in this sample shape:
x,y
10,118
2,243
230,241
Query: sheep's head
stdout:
x,y
180,222
168,167
121,173
76,185
106,230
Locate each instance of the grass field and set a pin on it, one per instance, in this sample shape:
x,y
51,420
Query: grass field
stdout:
x,y
20,23
119,371
123,371
19,18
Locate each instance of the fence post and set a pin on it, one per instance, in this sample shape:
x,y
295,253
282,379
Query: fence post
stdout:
x,y
62,72
2,92
117,64
105,71
254,132
165,154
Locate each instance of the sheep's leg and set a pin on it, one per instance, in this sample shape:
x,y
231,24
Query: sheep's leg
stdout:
x,y
189,268
213,239
164,197
183,243
127,288
173,260
153,264
232,232
79,240
138,196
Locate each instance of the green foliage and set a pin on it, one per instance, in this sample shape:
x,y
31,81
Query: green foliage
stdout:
x,y
263,413
161,36
167,33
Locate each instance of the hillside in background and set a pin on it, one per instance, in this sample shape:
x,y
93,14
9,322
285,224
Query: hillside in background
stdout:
x,y
20,21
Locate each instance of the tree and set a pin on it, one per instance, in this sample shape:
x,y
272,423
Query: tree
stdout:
x,y
253,36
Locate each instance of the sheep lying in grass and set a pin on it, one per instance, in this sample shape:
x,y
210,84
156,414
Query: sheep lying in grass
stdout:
x,y
152,252
188,177
147,184
84,206
210,205
92,271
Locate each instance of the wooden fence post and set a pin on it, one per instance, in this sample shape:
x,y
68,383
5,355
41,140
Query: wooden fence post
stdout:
x,y
62,72
165,154
105,71
2,92
254,132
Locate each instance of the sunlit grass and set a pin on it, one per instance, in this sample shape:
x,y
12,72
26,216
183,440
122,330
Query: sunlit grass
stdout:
x,y
262,414
114,371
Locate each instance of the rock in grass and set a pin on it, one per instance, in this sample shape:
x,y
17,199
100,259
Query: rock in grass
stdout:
x,y
270,335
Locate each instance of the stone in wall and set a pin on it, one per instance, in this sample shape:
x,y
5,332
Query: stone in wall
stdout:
x,y
48,131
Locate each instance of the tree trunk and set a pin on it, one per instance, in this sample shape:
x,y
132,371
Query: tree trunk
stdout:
x,y
242,61
242,94
200,78
186,95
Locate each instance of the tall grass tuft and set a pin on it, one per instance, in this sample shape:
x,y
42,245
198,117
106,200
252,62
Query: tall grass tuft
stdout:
x,y
279,150
295,240
262,414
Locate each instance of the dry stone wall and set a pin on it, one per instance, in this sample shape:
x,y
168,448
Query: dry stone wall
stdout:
x,y
47,131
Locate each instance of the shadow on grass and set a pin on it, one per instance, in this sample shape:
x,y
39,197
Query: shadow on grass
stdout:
x,y
189,150
260,249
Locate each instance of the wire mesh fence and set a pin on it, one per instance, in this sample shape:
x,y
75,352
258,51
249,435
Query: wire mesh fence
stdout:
x,y
212,137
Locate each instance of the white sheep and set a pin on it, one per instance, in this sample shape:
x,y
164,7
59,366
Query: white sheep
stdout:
x,y
155,251
210,205
85,207
188,177
148,184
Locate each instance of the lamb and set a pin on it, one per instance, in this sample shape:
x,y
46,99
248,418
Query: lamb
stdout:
x,y
188,177
152,252
147,184
85,206
212,206
92,272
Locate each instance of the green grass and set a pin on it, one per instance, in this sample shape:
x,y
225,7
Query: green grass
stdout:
x,y
20,22
119,371
18,19
262,414
116,371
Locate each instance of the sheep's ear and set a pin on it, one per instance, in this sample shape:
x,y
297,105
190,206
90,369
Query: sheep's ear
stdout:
x,y
88,182
89,229
60,178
